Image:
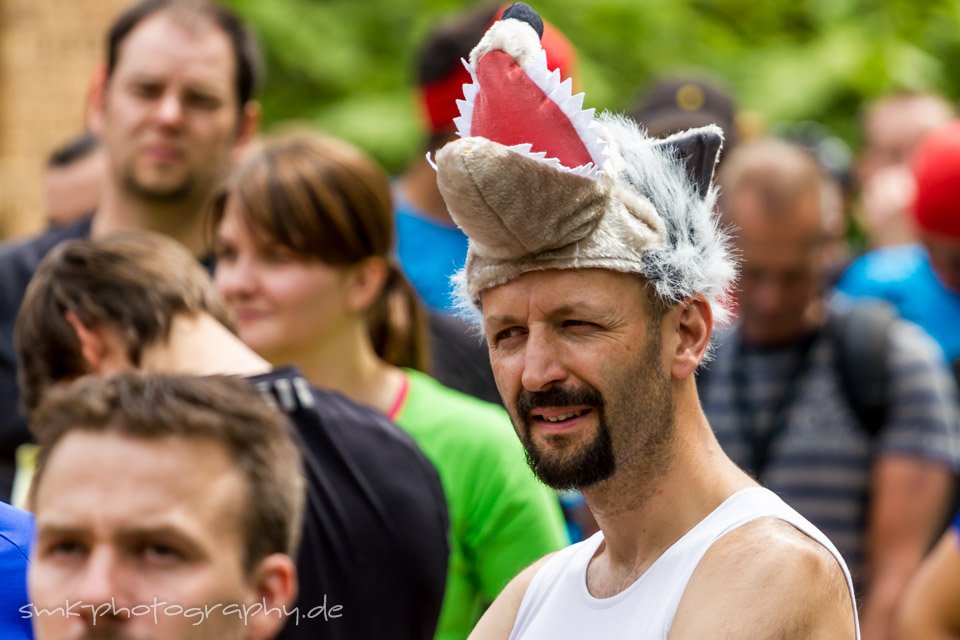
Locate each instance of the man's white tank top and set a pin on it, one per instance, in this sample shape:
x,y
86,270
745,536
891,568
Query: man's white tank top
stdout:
x,y
557,604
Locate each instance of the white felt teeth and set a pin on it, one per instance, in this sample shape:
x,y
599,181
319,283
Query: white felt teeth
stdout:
x,y
560,93
464,121
587,170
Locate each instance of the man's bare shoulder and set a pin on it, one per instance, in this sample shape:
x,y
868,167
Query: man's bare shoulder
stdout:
x,y
766,579
498,620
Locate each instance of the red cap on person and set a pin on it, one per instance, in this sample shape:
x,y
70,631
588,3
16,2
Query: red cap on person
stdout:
x,y
439,97
936,168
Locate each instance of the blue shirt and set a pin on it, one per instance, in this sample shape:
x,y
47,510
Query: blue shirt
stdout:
x,y
904,277
429,252
16,533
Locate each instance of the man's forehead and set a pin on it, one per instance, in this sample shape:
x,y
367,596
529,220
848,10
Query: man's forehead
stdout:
x,y
101,463
146,488
204,51
559,292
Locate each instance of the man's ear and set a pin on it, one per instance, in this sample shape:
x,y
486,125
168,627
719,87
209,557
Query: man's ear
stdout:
x,y
247,130
100,346
96,95
274,588
693,324
366,281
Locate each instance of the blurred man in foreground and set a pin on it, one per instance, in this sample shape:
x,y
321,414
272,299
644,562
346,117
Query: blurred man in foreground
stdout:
x,y
166,507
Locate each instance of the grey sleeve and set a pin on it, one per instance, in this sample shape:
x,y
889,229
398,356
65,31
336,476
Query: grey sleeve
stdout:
x,y
923,418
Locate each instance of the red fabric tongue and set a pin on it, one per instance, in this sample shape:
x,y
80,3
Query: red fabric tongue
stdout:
x,y
511,109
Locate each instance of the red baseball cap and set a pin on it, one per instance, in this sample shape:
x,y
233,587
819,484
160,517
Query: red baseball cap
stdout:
x,y
936,168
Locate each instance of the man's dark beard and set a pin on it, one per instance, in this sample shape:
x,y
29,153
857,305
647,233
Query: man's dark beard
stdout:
x,y
581,466
642,436
178,193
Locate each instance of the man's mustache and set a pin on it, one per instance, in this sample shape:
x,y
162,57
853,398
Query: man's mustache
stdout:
x,y
527,401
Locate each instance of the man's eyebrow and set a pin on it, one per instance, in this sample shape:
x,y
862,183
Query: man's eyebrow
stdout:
x,y
502,320
51,529
204,86
137,532
557,312
570,309
161,530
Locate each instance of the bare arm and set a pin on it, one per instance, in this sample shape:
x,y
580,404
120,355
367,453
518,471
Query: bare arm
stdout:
x,y
930,608
766,580
909,498
498,620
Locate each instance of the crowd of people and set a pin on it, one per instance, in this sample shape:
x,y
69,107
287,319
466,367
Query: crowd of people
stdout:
x,y
566,376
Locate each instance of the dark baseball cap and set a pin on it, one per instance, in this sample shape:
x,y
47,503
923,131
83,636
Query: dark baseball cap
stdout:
x,y
676,104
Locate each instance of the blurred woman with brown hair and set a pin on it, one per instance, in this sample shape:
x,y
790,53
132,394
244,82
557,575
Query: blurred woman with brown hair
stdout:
x,y
304,235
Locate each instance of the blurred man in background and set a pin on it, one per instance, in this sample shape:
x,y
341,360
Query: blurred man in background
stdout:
x,y
679,103
893,126
922,280
175,109
787,394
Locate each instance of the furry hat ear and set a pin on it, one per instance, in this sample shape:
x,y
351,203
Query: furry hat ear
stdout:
x,y
699,150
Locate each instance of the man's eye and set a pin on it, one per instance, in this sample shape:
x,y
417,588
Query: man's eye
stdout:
x,y
64,548
579,323
506,334
203,101
159,552
146,90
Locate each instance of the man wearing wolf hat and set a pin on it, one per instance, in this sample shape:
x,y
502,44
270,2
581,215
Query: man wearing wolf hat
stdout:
x,y
598,271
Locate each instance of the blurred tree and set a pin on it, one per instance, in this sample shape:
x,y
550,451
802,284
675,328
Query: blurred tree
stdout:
x,y
346,65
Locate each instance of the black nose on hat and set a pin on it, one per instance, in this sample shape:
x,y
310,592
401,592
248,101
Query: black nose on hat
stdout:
x,y
522,11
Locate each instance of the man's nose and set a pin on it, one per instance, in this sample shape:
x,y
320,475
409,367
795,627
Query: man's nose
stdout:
x,y
97,584
169,110
542,364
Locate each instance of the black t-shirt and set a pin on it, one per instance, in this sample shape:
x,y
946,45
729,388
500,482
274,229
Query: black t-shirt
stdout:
x,y
18,262
375,537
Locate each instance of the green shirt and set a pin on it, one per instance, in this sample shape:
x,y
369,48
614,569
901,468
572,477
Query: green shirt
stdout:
x,y
502,518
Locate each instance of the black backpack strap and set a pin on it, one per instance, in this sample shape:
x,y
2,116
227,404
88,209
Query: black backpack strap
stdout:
x,y
861,338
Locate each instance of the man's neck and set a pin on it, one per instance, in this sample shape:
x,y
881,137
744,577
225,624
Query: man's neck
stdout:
x,y
182,220
201,346
697,479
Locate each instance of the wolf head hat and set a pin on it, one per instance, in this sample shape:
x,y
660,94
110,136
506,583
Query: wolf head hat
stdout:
x,y
537,183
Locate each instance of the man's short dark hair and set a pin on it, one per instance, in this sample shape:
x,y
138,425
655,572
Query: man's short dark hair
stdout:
x,y
133,283
226,410
246,52
73,150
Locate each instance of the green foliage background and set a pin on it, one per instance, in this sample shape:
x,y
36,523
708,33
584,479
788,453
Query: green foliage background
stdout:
x,y
346,65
